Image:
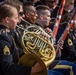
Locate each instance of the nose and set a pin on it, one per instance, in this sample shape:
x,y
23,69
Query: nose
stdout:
x,y
17,21
36,14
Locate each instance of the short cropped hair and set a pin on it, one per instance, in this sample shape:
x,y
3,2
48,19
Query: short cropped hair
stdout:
x,y
41,9
6,11
27,6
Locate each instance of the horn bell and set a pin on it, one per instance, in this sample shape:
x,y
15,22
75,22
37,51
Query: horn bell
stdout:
x,y
37,48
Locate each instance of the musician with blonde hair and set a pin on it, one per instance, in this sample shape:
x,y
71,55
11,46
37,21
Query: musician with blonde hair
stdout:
x,y
69,46
69,5
64,67
66,16
8,50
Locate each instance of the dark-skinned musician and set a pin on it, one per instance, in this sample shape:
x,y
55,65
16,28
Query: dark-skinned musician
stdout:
x,y
8,51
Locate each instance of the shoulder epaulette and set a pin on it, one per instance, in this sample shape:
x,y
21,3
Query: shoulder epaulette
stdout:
x,y
5,31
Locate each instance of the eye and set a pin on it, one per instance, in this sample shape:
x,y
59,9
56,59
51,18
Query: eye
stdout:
x,y
21,13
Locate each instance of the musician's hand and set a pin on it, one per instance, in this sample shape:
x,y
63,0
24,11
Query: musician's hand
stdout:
x,y
37,68
49,31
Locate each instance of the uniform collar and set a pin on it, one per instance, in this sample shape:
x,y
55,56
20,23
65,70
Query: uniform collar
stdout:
x,y
2,26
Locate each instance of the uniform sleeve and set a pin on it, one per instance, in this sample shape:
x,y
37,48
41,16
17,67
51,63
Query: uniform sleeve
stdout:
x,y
7,65
70,46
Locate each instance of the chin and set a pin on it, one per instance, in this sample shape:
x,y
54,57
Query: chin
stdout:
x,y
13,28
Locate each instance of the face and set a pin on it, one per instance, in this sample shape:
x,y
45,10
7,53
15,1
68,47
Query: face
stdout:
x,y
52,3
70,6
12,22
46,18
31,15
21,13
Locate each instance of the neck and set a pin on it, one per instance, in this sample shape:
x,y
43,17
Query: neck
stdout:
x,y
39,22
4,24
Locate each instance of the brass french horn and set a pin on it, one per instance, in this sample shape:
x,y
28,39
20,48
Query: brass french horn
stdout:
x,y
37,48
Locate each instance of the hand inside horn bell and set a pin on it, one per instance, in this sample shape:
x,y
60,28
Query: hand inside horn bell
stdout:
x,y
37,68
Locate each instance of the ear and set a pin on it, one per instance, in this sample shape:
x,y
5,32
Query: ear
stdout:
x,y
27,14
7,19
41,16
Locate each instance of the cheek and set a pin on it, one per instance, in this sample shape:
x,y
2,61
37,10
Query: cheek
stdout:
x,y
13,25
13,22
47,19
35,17
19,19
71,7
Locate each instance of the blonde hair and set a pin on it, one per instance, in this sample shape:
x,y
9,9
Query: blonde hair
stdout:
x,y
68,2
6,10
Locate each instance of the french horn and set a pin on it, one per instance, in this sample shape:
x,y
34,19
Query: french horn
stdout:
x,y
37,48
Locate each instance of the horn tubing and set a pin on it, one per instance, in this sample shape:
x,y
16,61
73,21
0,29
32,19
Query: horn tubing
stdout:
x,y
25,22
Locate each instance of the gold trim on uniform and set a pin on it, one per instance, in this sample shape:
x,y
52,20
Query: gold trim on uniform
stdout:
x,y
70,42
4,31
65,67
7,30
6,50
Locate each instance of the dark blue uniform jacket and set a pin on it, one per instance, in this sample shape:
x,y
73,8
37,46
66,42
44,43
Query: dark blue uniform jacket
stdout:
x,y
9,54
